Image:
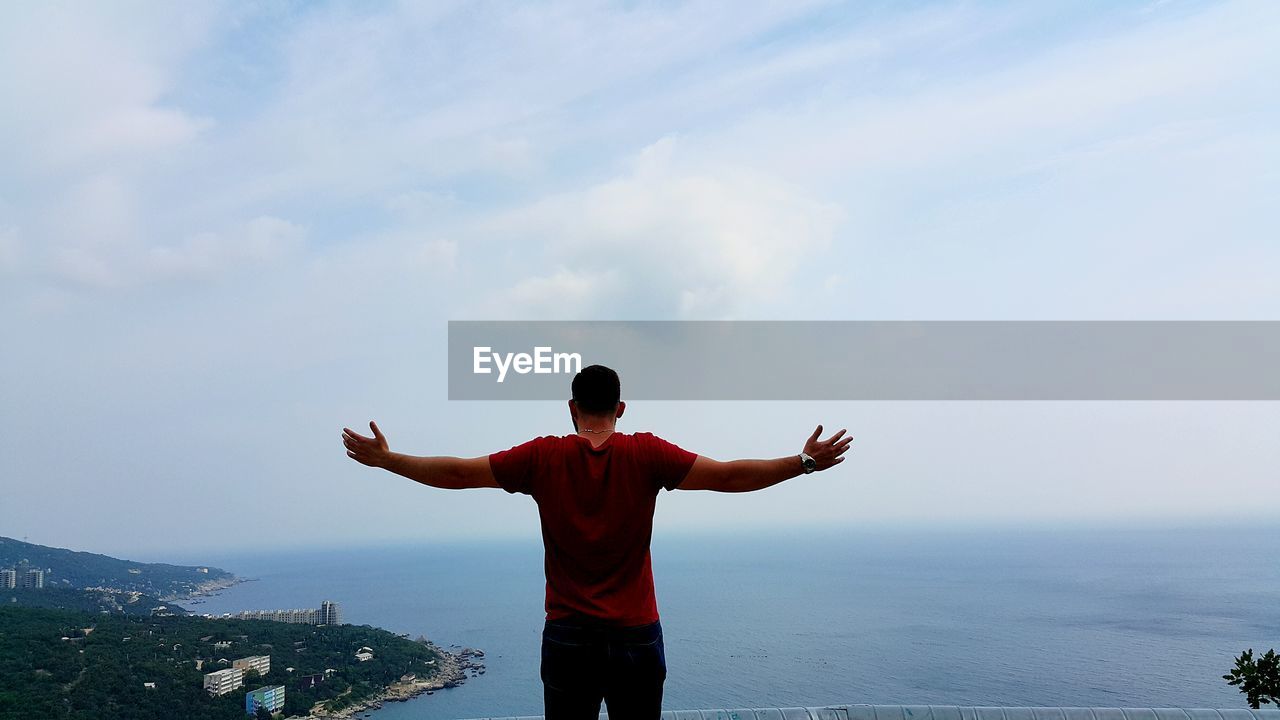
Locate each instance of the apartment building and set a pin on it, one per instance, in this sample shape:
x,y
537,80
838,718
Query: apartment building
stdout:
x,y
258,663
269,697
222,682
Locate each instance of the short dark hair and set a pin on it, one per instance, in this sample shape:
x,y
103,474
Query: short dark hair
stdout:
x,y
597,389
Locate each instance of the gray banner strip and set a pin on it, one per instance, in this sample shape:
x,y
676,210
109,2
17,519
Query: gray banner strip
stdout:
x,y
871,360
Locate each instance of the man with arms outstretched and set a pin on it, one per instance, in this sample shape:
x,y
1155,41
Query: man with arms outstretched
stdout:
x,y
596,491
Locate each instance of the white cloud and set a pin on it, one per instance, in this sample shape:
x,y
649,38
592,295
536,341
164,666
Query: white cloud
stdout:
x,y
562,294
260,241
420,205
90,229
666,239
439,255
1200,66
83,267
88,118
369,102
365,173
85,84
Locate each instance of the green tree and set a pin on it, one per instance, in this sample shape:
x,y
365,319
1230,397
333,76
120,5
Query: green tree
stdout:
x,y
1258,679
44,676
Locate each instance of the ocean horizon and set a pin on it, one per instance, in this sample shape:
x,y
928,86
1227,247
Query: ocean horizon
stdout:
x,y
1085,616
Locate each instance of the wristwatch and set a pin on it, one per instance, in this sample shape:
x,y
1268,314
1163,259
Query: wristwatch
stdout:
x,y
808,463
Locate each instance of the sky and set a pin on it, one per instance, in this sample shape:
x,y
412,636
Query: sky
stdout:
x,y
228,230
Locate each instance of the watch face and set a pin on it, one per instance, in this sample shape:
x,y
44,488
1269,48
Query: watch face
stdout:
x,y
809,463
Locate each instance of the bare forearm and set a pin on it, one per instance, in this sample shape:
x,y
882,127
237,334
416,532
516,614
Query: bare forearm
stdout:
x,y
450,473
750,475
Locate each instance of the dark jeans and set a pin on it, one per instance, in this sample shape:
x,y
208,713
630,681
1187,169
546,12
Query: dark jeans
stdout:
x,y
584,664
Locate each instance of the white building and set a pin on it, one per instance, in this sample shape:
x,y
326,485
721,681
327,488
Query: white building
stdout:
x,y
33,579
327,614
364,653
8,579
259,663
330,614
223,681
301,617
296,616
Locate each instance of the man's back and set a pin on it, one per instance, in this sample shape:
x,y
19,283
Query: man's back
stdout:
x,y
596,491
596,504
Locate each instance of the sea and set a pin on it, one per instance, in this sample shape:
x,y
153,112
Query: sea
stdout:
x,y
1079,616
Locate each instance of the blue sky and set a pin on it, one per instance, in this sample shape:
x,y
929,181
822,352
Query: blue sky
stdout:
x,y
228,230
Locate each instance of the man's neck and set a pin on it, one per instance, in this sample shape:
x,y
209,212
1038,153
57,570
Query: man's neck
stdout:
x,y
597,432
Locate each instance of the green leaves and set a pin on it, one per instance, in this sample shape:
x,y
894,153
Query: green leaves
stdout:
x,y
43,675
1259,679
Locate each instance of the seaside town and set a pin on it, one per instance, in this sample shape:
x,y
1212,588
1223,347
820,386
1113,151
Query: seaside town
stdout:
x,y
269,697
229,661
454,670
31,578
224,673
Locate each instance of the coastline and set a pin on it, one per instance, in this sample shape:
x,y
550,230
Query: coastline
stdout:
x,y
208,587
452,673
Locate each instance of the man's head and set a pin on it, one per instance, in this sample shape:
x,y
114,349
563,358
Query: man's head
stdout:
x,y
596,395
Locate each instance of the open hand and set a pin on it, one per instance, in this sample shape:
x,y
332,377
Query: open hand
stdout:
x,y
370,451
827,453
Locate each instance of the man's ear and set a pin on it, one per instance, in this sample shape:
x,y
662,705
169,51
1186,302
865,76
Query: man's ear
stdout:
x,y
622,407
573,414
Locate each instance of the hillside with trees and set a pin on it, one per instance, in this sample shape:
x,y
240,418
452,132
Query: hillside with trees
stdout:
x,y
73,569
63,664
90,601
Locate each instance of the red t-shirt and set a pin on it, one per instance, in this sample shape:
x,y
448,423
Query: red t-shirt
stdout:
x,y
596,506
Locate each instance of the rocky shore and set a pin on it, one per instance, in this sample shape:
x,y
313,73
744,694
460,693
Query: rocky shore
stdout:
x,y
207,587
453,671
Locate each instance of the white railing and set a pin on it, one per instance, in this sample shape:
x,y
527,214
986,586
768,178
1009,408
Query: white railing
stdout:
x,y
952,712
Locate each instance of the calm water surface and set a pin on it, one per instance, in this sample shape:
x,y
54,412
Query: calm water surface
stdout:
x,y
783,618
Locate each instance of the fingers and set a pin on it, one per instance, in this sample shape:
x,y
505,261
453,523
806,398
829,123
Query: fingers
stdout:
x,y
829,452
364,450
362,459
359,447
817,433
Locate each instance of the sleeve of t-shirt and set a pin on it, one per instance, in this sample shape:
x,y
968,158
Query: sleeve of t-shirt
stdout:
x,y
514,469
669,463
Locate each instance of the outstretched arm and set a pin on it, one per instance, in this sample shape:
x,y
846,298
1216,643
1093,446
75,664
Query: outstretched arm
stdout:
x,y
748,475
450,473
